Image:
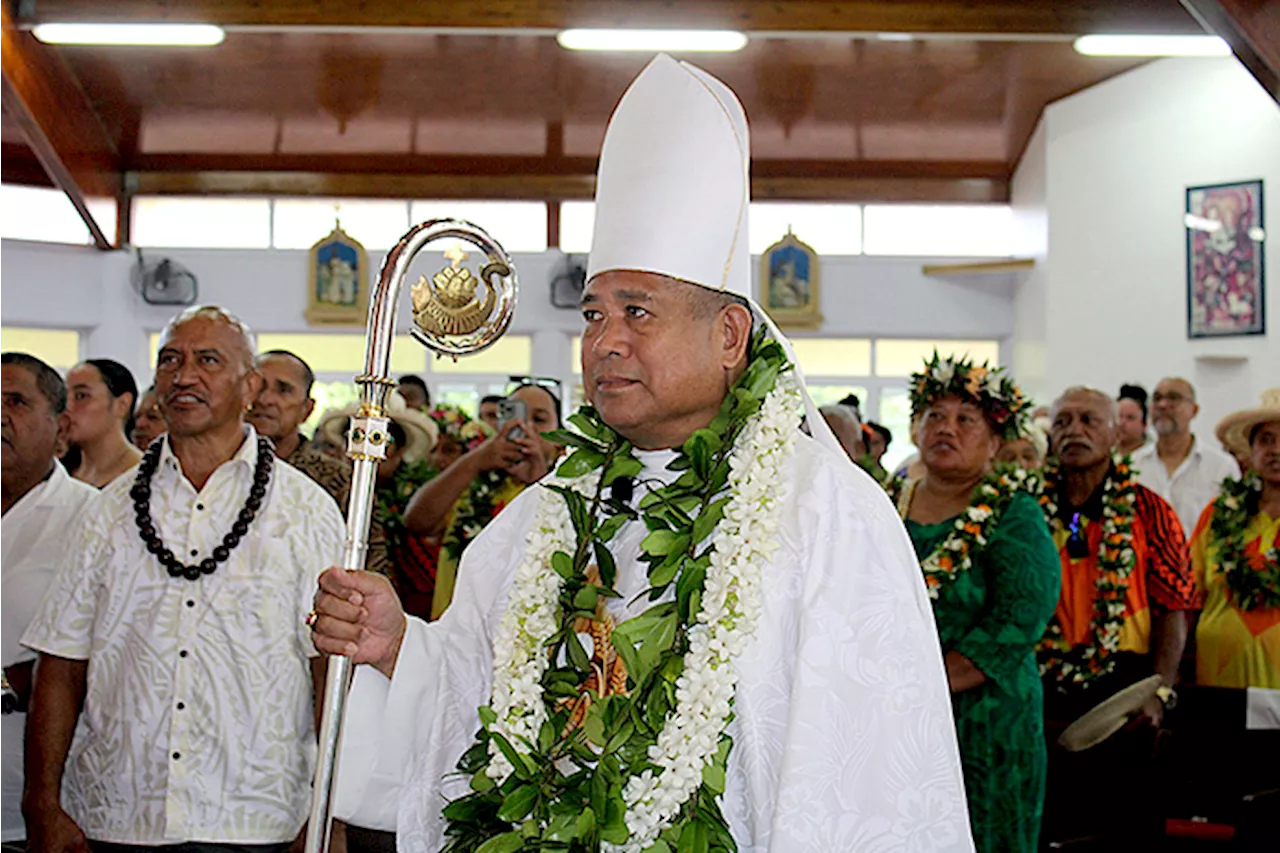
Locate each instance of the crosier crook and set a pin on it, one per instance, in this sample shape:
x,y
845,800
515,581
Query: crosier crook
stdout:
x,y
367,446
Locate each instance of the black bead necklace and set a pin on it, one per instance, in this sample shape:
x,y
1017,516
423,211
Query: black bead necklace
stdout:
x,y
141,494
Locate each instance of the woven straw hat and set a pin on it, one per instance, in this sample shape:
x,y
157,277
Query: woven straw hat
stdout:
x,y
1109,716
420,431
1233,430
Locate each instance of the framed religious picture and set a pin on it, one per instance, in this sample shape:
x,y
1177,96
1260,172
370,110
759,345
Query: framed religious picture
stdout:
x,y
339,281
1226,287
790,285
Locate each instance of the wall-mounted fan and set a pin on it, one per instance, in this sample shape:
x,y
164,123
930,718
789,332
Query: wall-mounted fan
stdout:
x,y
567,283
161,281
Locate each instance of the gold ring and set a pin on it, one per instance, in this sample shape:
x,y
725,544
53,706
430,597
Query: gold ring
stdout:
x,y
311,620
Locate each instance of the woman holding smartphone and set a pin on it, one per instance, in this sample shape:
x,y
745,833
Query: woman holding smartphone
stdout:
x,y
472,491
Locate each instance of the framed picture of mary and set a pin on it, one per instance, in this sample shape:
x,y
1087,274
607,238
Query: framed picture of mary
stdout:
x,y
790,285
338,278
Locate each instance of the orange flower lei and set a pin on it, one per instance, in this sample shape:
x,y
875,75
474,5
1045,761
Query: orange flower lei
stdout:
x,y
1080,665
973,527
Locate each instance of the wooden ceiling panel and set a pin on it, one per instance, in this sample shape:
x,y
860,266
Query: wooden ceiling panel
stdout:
x,y
923,16
807,98
344,111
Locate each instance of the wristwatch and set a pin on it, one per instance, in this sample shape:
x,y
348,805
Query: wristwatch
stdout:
x,y
8,696
1168,698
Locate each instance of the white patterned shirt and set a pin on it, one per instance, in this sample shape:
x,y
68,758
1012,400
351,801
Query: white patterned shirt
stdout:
x,y
843,731
1195,482
197,723
34,540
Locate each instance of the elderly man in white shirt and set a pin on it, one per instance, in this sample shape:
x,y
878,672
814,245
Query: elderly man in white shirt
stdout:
x,y
40,502
1179,467
185,593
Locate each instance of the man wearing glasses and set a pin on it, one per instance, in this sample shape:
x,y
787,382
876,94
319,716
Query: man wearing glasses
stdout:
x,y
1121,616
1180,468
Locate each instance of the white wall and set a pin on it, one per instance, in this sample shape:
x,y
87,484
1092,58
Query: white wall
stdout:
x,y
77,287
1108,171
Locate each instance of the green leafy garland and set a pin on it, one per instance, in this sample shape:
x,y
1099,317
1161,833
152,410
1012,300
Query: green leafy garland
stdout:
x,y
474,510
1061,663
391,501
972,528
1252,587
566,792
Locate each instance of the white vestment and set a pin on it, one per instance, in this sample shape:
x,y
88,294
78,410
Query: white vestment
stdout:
x,y
843,733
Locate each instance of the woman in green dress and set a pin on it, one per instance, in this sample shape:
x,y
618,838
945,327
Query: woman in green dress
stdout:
x,y
992,571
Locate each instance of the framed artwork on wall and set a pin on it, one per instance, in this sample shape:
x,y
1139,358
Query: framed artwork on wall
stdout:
x,y
1226,284
790,284
338,281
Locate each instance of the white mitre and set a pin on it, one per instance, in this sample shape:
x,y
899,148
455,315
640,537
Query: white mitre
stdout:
x,y
672,190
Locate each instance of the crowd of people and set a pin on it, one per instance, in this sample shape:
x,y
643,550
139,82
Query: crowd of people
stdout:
x,y
708,631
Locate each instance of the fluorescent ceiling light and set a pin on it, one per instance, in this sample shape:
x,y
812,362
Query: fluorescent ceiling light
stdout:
x,y
178,35
675,41
894,37
1107,45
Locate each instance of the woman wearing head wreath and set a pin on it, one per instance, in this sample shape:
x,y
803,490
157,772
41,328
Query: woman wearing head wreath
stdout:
x,y
992,571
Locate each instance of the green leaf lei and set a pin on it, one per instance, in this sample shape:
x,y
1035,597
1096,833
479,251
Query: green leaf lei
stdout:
x,y
392,501
1252,588
566,792
473,512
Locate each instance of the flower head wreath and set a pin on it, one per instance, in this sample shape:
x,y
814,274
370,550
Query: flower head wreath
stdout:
x,y
456,424
989,388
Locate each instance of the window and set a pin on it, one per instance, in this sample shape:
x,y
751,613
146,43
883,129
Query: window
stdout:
x,y
831,229
216,223
833,356
577,226
895,415
466,395
58,348
40,213
828,395
899,357
300,223
340,353
519,226
983,230
512,355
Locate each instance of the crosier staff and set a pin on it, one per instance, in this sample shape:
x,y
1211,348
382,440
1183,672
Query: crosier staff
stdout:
x,y
455,313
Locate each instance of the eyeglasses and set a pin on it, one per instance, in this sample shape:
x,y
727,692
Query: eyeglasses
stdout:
x,y
540,381
1172,399
1077,544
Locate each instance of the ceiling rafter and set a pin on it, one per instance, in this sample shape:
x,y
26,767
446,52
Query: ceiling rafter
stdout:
x,y
1252,28
60,127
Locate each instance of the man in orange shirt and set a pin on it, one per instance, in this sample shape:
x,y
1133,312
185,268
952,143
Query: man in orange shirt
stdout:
x,y
1122,615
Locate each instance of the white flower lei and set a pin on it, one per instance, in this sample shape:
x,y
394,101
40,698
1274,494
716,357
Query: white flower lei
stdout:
x,y
744,541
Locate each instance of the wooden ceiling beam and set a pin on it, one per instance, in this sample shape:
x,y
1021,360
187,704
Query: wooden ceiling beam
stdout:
x,y
59,125
542,187
1044,17
545,167
1252,28
18,165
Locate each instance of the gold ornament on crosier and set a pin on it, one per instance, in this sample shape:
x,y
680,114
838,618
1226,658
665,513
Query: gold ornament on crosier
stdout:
x,y
452,302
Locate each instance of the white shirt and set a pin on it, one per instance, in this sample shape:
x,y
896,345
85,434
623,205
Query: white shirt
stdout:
x,y
197,723
33,537
843,731
1193,485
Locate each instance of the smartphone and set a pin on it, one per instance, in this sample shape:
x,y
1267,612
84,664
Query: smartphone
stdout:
x,y
512,410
